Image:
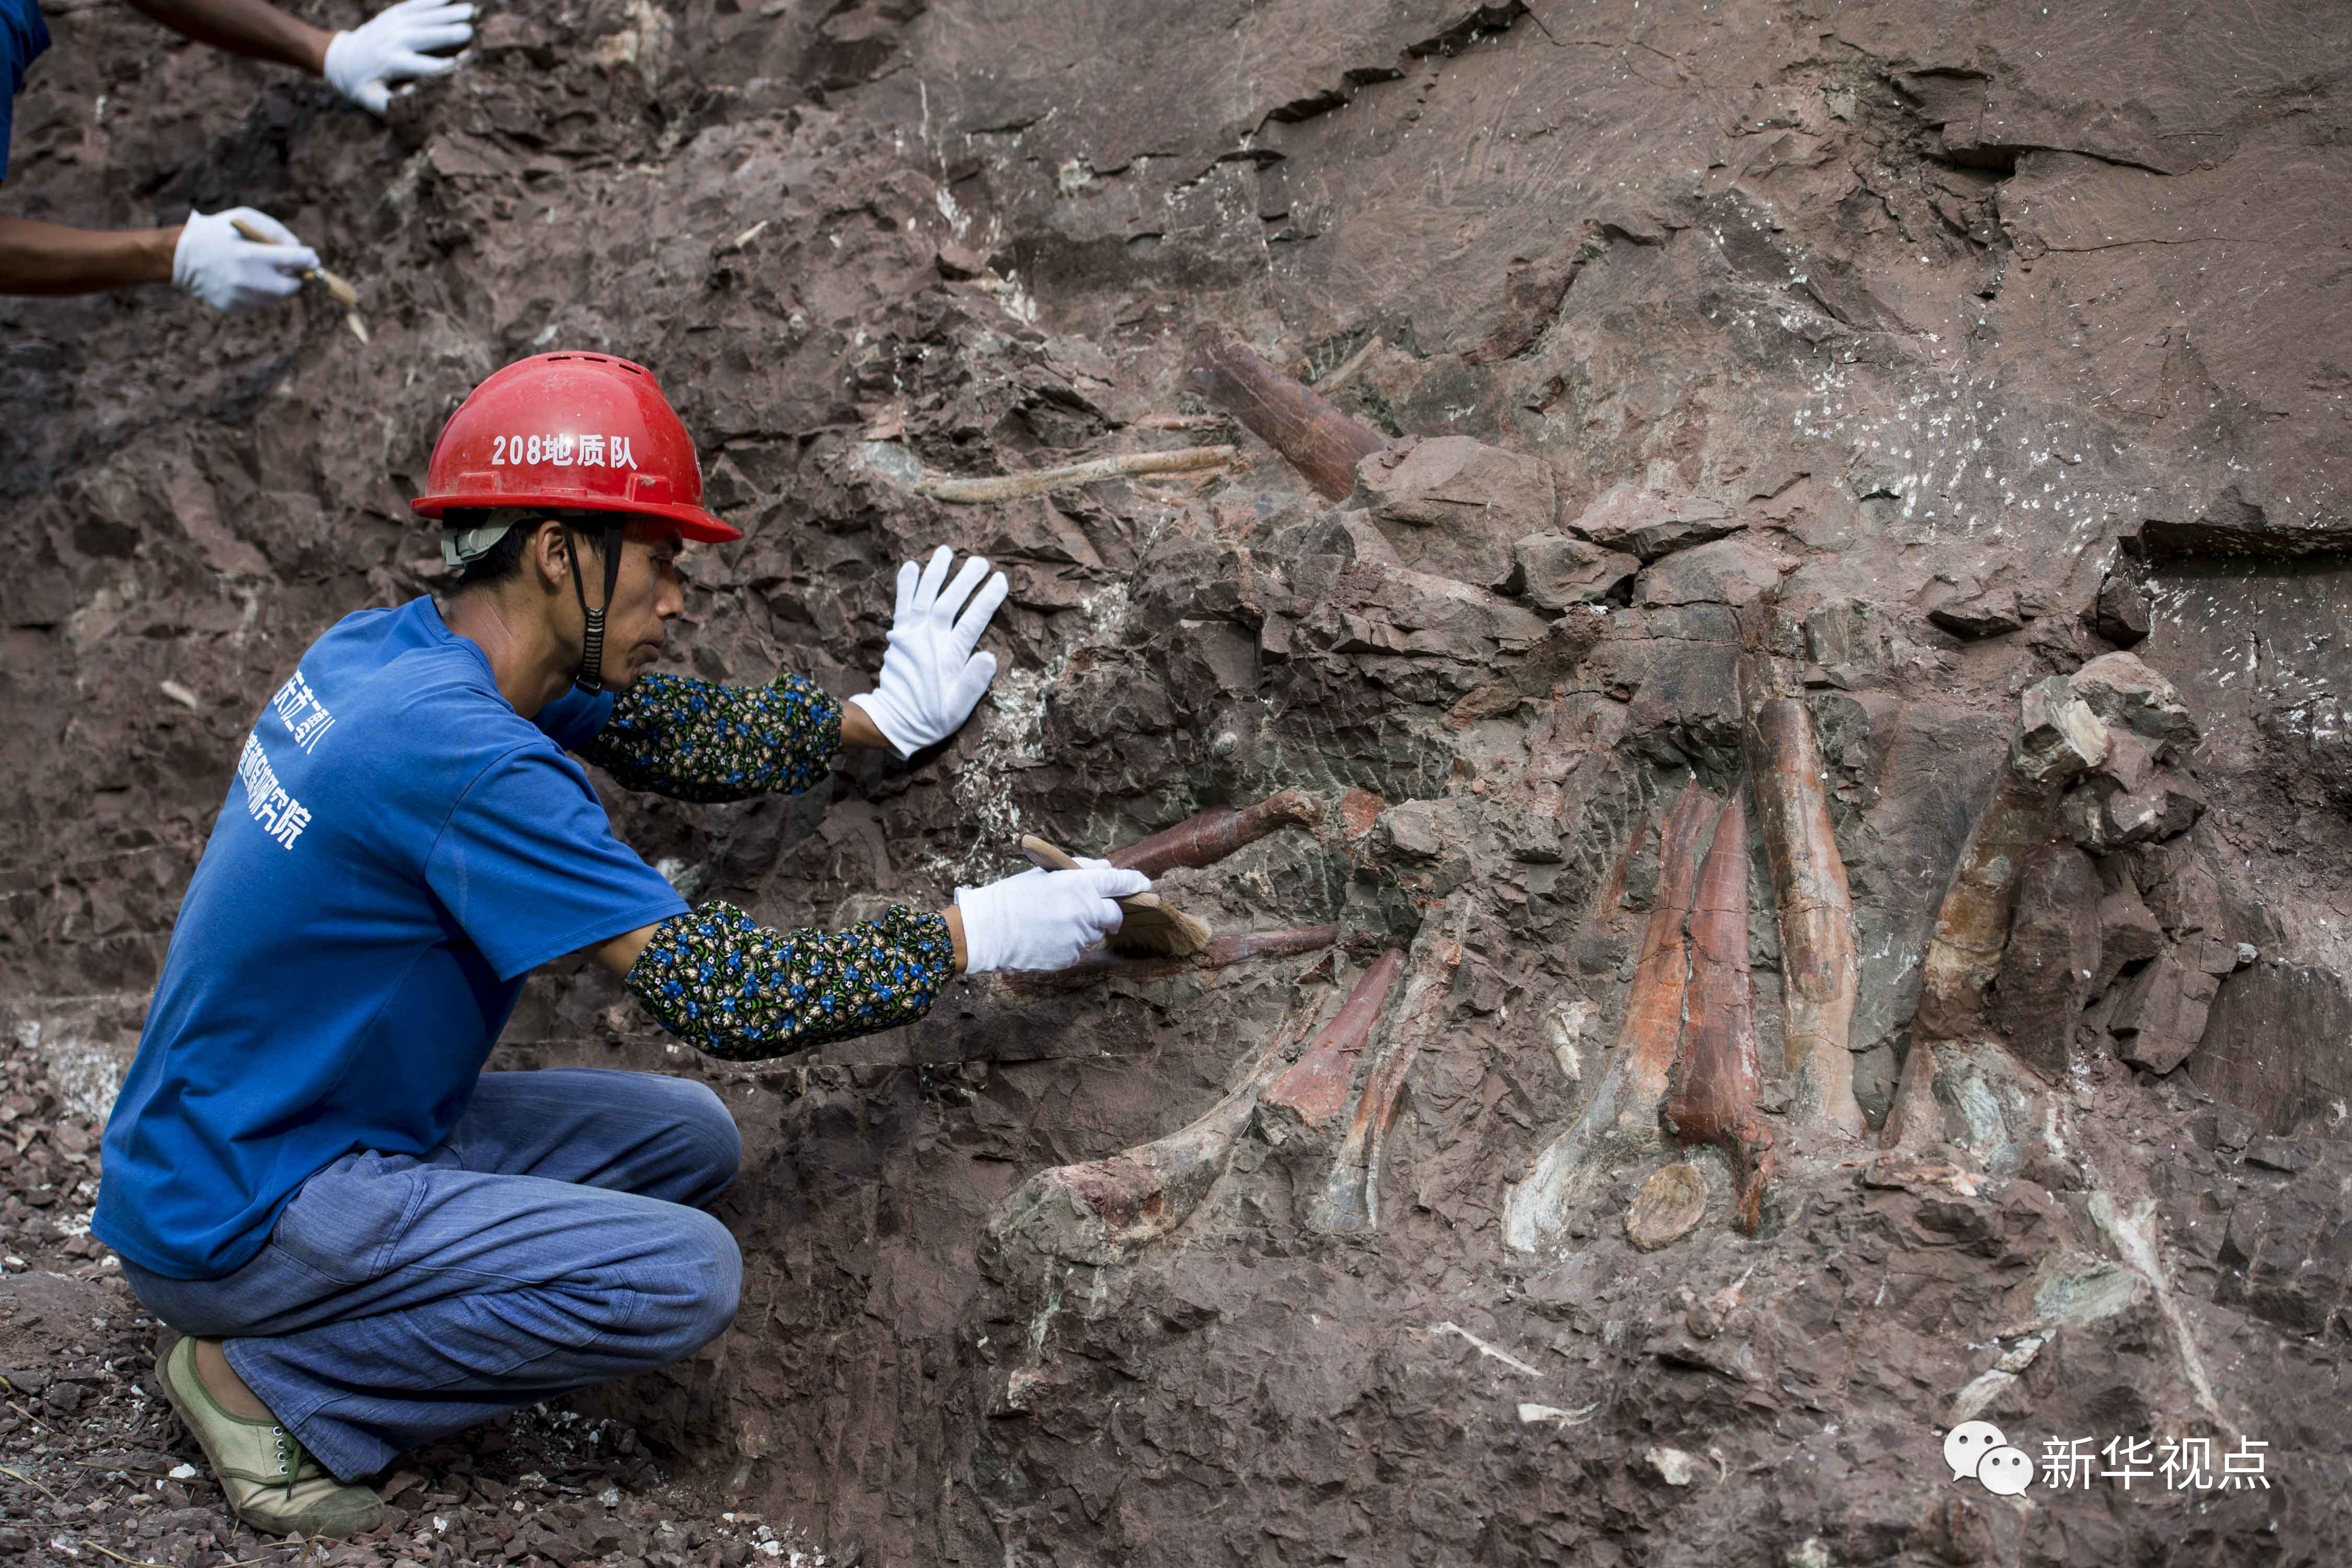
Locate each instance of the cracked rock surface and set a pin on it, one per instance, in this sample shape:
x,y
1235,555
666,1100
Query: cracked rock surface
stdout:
x,y
1905,362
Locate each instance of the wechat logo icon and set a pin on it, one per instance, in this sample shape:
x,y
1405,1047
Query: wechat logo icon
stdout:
x,y
1976,1450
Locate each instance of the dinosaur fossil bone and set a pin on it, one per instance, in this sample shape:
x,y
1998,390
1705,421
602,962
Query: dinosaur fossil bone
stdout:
x,y
1714,1096
1820,976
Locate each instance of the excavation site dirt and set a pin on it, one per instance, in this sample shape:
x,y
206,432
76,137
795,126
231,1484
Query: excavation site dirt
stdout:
x,y
1765,673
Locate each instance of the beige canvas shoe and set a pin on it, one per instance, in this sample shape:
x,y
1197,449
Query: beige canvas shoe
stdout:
x,y
271,1481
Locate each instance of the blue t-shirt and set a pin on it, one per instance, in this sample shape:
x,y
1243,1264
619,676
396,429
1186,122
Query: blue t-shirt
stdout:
x,y
23,36
399,848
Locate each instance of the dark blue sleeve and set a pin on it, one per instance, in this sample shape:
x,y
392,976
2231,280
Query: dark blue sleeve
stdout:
x,y
572,719
23,36
529,867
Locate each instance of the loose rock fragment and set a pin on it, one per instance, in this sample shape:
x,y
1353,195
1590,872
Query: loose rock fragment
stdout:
x,y
1468,496
2121,612
2123,690
1983,613
2162,1013
2058,737
1557,571
1666,1208
2130,761
1728,572
2128,933
2102,818
1651,523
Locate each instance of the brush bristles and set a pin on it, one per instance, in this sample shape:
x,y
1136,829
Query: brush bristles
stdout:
x,y
1153,929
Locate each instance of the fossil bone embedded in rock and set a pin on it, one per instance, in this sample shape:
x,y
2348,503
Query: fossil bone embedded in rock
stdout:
x,y
1620,1123
1714,1094
1208,838
1350,1198
1225,948
1095,1211
1820,976
1667,1206
1313,438
1313,1091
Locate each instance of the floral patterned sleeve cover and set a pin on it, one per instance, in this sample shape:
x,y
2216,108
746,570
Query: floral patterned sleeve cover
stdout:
x,y
742,991
693,740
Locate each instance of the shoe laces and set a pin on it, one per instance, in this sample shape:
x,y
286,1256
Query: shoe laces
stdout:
x,y
290,1455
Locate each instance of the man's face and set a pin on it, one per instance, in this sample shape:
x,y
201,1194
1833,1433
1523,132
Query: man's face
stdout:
x,y
643,600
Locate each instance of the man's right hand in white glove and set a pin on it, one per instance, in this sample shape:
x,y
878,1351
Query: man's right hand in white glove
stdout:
x,y
364,64
1043,919
231,273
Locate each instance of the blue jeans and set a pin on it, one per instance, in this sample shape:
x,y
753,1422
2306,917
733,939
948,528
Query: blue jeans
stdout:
x,y
553,1241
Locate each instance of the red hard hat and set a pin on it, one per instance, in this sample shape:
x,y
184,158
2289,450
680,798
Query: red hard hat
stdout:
x,y
575,431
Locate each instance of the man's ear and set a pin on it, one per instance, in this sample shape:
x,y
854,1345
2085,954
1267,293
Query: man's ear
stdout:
x,y
550,554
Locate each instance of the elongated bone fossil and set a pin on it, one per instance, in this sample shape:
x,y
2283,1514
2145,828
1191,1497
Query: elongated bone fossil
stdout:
x,y
1972,926
1821,976
1351,1200
1314,1089
1038,481
1209,837
1313,438
1621,1123
1713,1096
1089,1212
1225,948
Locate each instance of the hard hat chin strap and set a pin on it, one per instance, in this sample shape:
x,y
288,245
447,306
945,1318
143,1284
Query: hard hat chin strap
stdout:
x,y
591,675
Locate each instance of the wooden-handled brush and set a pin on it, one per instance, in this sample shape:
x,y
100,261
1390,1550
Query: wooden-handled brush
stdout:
x,y
344,294
1151,930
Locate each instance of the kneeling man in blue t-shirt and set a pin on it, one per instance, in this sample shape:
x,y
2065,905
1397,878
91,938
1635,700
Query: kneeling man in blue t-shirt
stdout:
x,y
364,1241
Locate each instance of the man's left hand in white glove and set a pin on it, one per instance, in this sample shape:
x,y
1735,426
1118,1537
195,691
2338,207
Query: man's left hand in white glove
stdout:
x,y
931,680
364,64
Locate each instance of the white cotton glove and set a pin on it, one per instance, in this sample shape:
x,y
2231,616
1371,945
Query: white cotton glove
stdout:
x,y
1043,919
930,678
231,273
389,47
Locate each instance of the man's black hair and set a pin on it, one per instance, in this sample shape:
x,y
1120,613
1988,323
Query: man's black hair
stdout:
x,y
504,559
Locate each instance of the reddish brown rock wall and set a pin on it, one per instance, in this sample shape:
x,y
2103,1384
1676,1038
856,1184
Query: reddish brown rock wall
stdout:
x,y
1955,317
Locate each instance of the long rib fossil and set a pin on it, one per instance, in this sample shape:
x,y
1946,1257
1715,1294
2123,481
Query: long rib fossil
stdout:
x,y
1038,481
1820,976
1350,1202
1714,1096
1620,1123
